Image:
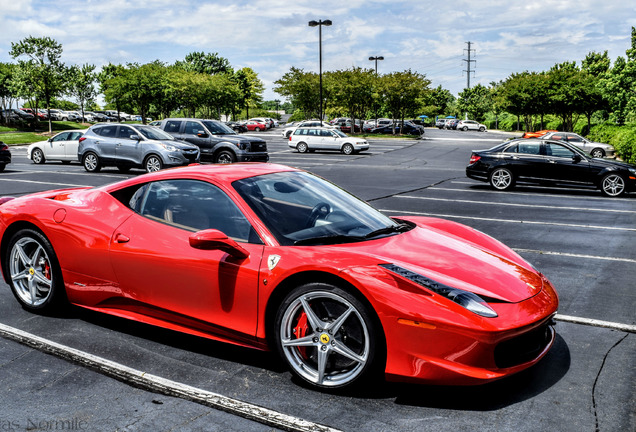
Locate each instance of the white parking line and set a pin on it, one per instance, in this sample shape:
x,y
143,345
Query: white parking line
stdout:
x,y
572,255
13,180
596,323
164,386
511,220
516,204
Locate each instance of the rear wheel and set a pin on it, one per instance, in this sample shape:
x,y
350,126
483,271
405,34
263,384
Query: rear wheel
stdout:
x,y
38,156
34,272
465,128
502,179
91,162
302,147
347,149
257,129
328,337
597,153
613,185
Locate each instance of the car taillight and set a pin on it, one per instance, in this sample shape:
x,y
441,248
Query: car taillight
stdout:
x,y
3,146
290,136
473,158
82,139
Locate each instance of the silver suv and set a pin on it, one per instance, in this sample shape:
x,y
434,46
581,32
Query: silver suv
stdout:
x,y
129,146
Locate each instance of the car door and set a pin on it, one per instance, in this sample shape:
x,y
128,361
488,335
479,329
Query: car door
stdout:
x,y
195,133
56,147
128,149
329,140
106,141
162,275
524,159
564,165
71,145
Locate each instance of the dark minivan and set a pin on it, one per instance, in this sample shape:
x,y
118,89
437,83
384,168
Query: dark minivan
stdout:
x,y
218,142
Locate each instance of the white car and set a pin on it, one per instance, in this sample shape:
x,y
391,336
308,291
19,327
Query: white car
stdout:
x,y
61,147
320,138
465,125
307,123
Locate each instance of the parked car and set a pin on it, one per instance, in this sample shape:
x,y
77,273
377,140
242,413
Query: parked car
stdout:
x,y
35,113
70,116
5,156
218,143
129,146
276,258
155,123
451,123
307,123
97,116
595,149
261,120
537,134
238,127
408,129
440,123
306,139
56,114
255,125
548,162
44,114
61,147
345,125
465,125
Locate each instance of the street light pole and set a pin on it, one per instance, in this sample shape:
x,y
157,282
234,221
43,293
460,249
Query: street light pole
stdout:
x,y
320,23
376,58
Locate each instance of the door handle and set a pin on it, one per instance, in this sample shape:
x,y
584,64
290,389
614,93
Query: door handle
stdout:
x,y
120,238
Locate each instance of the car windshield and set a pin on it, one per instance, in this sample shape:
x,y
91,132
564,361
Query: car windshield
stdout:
x,y
154,133
218,128
302,209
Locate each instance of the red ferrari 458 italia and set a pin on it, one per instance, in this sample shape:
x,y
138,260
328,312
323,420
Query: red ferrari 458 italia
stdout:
x,y
276,258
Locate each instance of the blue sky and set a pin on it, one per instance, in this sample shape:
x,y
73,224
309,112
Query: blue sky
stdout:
x,y
271,36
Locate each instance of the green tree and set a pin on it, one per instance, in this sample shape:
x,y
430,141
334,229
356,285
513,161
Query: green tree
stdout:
x,y
250,86
7,93
143,84
45,68
403,93
351,91
210,63
113,86
301,89
82,84
475,101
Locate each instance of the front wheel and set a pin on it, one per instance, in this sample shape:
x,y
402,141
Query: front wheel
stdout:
x,y
38,156
597,153
613,185
502,179
34,272
153,163
302,147
482,129
91,162
328,337
225,157
347,149
257,129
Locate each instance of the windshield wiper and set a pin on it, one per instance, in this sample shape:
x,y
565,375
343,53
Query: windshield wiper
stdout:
x,y
388,230
328,239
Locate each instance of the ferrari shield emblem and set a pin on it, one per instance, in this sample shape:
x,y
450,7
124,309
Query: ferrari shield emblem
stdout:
x,y
272,261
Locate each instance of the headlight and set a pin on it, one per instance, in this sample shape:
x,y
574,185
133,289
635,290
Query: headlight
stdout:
x,y
169,147
632,170
466,299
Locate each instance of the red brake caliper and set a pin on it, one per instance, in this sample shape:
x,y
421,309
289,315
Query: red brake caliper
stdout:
x,y
300,331
47,270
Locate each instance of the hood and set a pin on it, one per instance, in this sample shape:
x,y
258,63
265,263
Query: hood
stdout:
x,y
612,163
456,263
181,145
237,139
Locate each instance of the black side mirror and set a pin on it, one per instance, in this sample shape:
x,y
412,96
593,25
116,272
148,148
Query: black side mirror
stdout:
x,y
576,158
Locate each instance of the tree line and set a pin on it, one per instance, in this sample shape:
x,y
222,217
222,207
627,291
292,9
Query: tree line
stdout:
x,y
202,83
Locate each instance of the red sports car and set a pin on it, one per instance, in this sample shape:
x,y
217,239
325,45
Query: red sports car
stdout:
x,y
272,257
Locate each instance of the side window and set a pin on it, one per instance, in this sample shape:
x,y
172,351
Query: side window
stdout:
x,y
106,131
193,206
192,128
75,136
574,138
512,149
62,137
557,150
172,126
125,132
529,148
325,133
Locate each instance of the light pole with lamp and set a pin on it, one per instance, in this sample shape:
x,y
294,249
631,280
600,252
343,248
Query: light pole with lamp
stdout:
x,y
376,58
320,23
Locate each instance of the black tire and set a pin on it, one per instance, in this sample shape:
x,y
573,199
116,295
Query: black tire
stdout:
x,y
337,351
347,149
91,162
224,157
613,185
153,163
257,129
465,128
34,272
38,156
482,129
597,153
502,179
302,147
2,167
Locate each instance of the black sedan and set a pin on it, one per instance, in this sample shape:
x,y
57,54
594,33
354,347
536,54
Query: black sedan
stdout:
x,y
5,155
549,162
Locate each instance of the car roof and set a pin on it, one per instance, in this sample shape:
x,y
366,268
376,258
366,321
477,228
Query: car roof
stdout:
x,y
222,173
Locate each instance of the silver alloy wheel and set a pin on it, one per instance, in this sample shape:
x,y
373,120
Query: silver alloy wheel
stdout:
x,y
91,162
347,149
37,156
31,271
501,179
225,157
330,350
613,185
597,153
302,147
153,164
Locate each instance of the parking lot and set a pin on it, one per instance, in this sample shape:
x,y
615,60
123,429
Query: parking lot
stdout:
x,y
583,242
